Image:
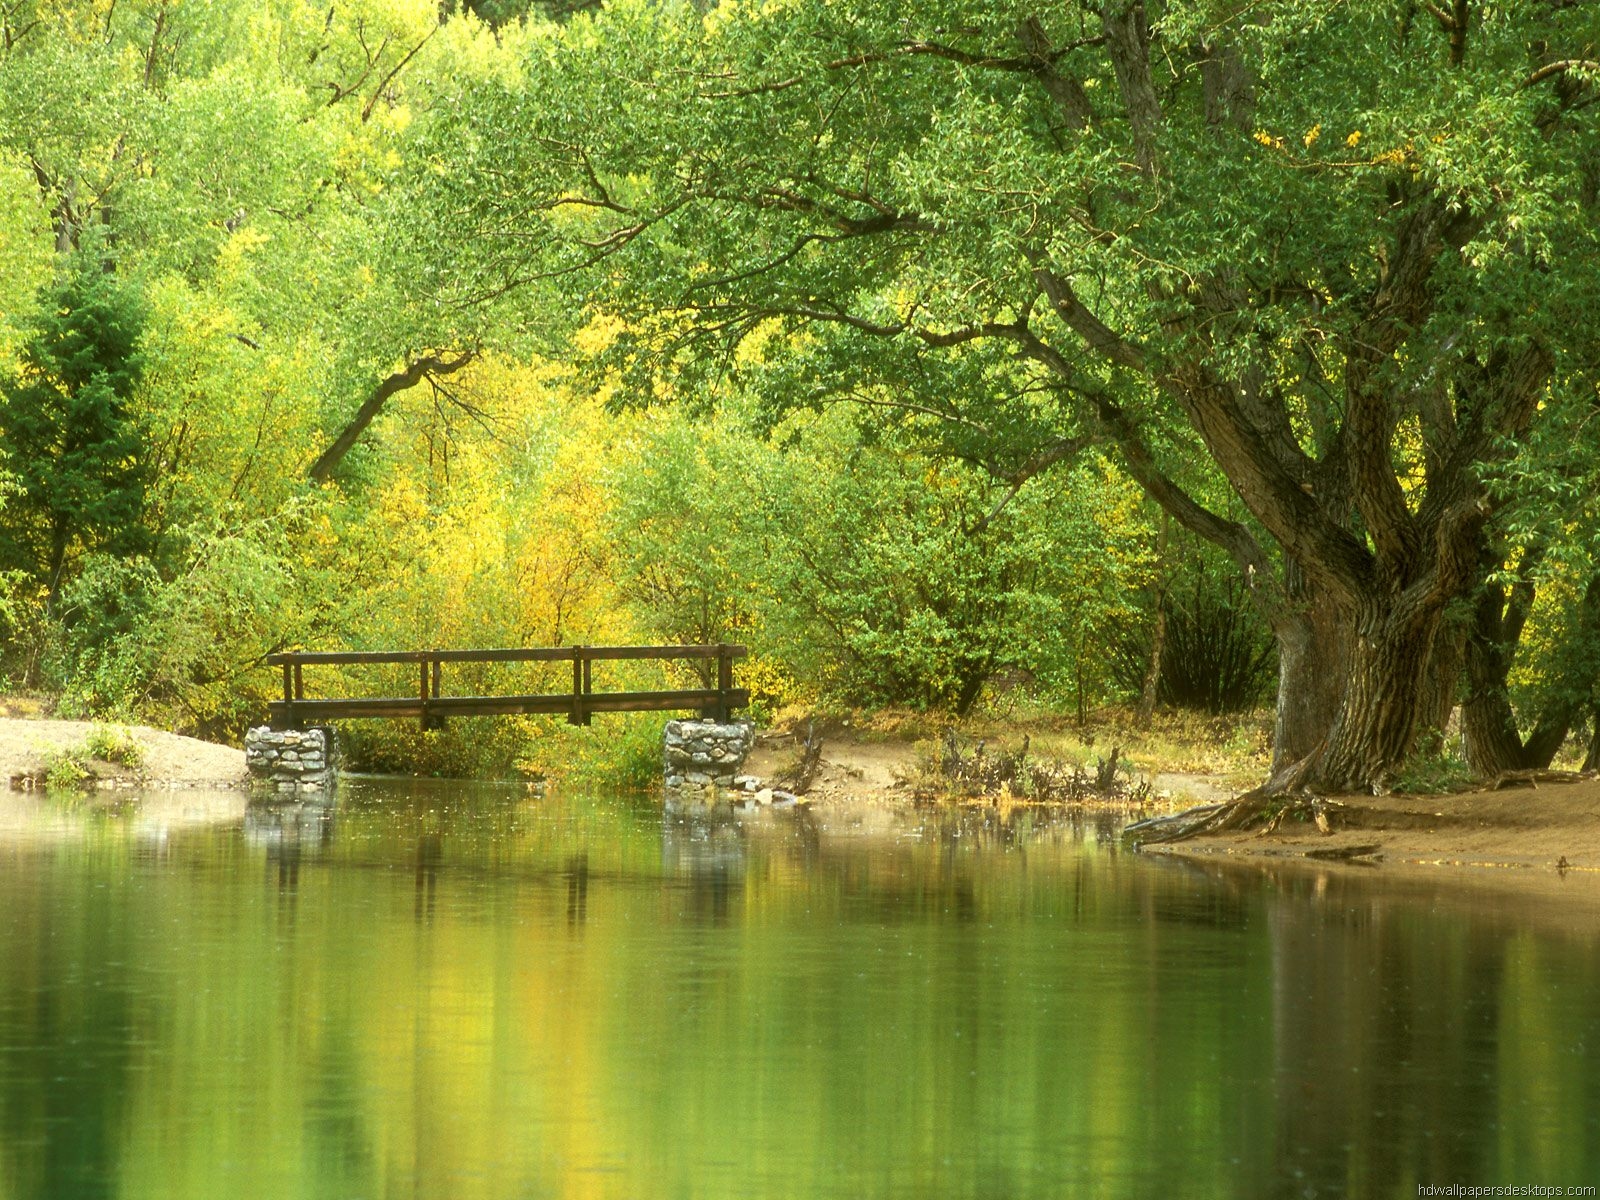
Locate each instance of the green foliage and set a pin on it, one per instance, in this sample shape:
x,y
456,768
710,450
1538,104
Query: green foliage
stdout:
x,y
835,238
1434,774
616,753
468,748
74,446
1218,656
182,647
872,575
99,616
24,250
63,771
113,744
1337,255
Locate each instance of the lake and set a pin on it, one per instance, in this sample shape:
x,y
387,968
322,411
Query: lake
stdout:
x,y
461,991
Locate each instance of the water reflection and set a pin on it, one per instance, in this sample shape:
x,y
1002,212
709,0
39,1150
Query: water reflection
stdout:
x,y
481,993
577,890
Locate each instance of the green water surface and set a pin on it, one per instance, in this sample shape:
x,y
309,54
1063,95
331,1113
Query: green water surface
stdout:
x,y
459,992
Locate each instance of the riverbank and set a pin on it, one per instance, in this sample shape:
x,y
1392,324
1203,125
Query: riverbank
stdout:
x,y
1545,826
1548,826
145,757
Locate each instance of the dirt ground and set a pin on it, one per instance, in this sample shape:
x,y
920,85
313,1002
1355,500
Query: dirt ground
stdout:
x,y
1547,826
165,759
875,769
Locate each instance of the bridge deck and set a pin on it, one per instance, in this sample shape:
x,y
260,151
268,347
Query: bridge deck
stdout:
x,y
431,706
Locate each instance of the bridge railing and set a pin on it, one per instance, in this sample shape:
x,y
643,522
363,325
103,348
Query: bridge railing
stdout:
x,y
431,705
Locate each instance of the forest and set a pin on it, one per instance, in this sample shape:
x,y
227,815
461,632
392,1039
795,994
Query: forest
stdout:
x,y
956,358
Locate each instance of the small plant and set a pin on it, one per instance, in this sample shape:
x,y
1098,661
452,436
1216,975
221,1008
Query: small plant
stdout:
x,y
63,771
981,772
1433,774
113,744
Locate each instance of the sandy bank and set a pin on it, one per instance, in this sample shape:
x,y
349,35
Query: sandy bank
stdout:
x,y
165,759
1548,826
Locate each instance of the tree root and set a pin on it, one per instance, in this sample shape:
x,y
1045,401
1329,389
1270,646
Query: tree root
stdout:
x,y
1262,811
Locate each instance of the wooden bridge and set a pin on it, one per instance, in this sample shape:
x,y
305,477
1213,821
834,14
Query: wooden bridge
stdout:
x,y
431,706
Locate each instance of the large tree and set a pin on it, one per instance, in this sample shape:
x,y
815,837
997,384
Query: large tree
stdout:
x,y
1343,252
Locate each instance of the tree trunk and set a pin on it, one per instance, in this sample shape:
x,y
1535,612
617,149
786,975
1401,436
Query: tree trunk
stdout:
x,y
408,377
1152,674
1150,692
1310,668
1376,726
1311,649
1548,736
1439,690
1489,736
971,689
59,536
1488,728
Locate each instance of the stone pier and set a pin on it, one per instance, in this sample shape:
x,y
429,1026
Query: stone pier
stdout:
x,y
702,756
291,760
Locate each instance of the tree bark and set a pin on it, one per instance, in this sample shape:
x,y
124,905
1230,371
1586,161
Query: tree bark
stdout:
x,y
1311,669
59,536
1376,726
1439,689
1150,692
1493,741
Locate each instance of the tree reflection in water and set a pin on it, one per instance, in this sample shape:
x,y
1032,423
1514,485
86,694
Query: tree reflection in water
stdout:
x,y
910,1001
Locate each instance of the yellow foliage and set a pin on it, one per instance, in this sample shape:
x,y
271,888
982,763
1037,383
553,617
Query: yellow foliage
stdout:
x,y
599,334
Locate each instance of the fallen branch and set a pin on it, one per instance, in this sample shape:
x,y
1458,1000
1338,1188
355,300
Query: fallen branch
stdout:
x,y
805,771
1534,777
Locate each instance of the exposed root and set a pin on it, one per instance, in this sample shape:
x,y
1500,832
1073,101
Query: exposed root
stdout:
x,y
1346,853
1261,810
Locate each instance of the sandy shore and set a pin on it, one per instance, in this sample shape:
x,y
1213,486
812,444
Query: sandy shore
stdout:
x,y
1547,827
165,759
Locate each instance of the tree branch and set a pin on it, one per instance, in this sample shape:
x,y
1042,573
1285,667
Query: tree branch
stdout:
x,y
407,377
1096,333
1064,89
1035,466
366,109
1587,65
1128,42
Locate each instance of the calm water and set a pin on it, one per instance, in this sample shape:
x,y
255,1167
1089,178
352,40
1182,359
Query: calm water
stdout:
x,y
459,993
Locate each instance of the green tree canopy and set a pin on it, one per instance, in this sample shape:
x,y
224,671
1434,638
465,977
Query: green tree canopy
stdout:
x,y
1344,252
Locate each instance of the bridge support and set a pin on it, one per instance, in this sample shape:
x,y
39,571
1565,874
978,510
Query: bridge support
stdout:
x,y
291,760
702,756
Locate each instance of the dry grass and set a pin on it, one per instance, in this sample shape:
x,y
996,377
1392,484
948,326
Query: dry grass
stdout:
x,y
1232,750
